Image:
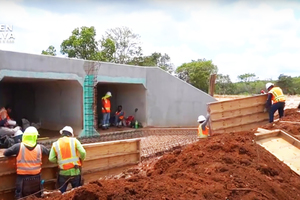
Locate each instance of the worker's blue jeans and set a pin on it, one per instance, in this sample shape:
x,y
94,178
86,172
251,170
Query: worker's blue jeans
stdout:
x,y
63,182
276,106
105,122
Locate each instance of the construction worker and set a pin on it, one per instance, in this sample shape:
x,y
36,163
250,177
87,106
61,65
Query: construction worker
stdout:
x,y
68,153
203,130
275,101
106,110
28,163
119,116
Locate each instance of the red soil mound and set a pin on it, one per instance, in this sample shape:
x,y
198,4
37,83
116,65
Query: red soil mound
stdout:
x,y
291,115
228,166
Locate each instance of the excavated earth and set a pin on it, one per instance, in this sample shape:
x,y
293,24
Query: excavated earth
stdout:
x,y
290,115
228,166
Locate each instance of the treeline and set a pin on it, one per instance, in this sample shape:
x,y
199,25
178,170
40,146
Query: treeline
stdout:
x,y
249,84
117,45
122,45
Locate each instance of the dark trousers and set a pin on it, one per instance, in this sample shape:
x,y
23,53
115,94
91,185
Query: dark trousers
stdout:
x,y
63,182
276,106
19,185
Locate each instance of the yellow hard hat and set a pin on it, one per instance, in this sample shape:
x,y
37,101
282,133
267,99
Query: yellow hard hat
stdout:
x,y
30,135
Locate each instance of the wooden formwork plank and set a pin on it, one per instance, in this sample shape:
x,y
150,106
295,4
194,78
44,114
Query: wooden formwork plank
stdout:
x,y
282,145
215,116
238,121
237,114
233,104
104,158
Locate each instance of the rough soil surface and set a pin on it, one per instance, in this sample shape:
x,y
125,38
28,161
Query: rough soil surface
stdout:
x,y
227,166
291,115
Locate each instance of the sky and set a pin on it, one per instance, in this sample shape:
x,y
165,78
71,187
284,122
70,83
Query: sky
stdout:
x,y
260,37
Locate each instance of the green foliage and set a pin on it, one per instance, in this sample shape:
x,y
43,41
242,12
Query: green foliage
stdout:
x,y
224,84
51,51
127,44
155,59
197,73
248,77
81,44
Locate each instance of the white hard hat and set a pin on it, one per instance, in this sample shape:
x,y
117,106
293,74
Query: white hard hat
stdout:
x,y
269,85
31,130
108,94
19,132
201,118
67,128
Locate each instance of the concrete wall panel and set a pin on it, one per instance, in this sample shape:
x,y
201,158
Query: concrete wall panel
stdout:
x,y
172,102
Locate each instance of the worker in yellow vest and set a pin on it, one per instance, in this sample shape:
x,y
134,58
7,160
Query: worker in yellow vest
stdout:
x,y
106,110
28,163
275,101
203,129
68,153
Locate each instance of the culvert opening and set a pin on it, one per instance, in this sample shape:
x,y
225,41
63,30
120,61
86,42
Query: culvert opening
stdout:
x,y
52,103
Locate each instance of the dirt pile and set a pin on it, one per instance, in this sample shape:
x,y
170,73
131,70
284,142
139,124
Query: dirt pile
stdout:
x,y
291,115
228,166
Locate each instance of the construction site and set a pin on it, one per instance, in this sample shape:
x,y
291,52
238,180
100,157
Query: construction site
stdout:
x,y
244,158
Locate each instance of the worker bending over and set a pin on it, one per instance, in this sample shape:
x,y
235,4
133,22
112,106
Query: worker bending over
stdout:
x,y
119,116
7,125
203,130
65,152
106,110
28,163
275,101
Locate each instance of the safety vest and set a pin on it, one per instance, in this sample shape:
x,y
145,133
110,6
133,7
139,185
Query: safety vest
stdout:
x,y
121,117
29,162
65,149
201,133
106,104
277,95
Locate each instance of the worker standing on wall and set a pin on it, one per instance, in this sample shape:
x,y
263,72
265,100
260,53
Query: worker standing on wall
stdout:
x,y
275,101
68,152
203,130
28,162
106,110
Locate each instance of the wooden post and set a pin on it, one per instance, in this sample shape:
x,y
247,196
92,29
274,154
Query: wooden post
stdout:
x,y
212,81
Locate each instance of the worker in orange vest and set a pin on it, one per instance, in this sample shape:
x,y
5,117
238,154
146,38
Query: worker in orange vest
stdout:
x,y
275,101
203,129
28,163
68,153
119,116
106,110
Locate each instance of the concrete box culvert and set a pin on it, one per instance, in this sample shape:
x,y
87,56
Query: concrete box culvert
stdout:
x,y
54,103
130,96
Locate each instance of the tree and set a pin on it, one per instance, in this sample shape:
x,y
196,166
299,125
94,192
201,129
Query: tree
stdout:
x,y
108,48
224,84
51,51
162,61
81,44
127,44
286,84
248,77
197,73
